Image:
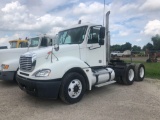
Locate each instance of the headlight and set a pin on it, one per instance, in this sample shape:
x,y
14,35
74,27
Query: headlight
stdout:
x,y
4,66
42,73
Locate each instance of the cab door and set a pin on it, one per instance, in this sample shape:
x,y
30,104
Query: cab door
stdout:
x,y
94,51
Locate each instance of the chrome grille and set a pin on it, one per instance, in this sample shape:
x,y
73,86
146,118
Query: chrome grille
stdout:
x,y
26,63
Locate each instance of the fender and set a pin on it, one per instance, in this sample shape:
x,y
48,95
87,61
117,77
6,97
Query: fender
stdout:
x,y
13,64
11,57
59,67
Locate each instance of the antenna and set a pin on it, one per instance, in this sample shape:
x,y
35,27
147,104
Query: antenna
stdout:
x,y
104,12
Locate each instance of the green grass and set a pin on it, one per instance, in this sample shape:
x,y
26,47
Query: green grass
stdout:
x,y
152,69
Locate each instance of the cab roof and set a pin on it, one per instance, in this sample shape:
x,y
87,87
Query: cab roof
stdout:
x,y
18,41
79,25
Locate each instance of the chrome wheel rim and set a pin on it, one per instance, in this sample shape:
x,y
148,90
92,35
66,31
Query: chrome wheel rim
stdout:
x,y
131,75
75,88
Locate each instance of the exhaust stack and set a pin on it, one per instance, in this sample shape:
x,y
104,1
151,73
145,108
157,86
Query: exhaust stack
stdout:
x,y
107,34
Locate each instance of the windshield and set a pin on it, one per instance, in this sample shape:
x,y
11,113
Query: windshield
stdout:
x,y
23,44
13,44
72,36
34,42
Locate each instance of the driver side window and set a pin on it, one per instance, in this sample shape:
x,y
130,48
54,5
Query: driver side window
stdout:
x,y
23,44
93,35
44,42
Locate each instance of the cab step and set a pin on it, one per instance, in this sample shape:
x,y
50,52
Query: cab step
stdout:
x,y
106,83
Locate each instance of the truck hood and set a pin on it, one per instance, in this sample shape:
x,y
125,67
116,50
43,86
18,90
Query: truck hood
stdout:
x,y
10,54
67,49
43,56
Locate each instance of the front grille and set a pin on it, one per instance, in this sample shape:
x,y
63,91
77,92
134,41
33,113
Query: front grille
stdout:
x,y
27,63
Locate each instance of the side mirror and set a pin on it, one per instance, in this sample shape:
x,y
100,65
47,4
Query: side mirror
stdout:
x,y
101,35
101,42
56,43
29,43
56,47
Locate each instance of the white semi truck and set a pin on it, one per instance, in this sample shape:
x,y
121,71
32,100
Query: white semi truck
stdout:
x,y
79,62
9,58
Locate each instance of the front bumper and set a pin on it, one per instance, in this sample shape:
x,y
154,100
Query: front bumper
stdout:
x,y
7,75
40,88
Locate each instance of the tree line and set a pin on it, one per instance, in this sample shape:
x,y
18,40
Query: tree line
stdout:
x,y
128,46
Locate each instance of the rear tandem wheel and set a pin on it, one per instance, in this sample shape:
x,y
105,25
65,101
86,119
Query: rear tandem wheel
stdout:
x,y
139,72
129,75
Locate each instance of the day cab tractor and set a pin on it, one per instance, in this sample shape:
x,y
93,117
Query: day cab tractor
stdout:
x,y
18,43
78,62
3,47
9,58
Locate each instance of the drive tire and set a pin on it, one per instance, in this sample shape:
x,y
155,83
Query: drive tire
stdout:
x,y
129,75
66,90
139,72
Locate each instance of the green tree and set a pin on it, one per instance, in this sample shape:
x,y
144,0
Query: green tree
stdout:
x,y
115,48
126,46
136,48
156,42
148,46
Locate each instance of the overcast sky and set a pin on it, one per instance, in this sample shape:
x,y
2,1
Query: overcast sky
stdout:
x,y
134,21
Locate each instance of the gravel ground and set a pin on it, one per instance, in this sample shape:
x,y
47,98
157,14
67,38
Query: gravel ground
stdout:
x,y
140,101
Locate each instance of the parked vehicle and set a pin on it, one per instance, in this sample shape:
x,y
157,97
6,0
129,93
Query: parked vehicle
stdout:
x,y
80,62
153,56
3,47
121,54
9,58
18,43
117,54
127,53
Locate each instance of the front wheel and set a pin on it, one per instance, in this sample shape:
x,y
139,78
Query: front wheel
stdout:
x,y
73,88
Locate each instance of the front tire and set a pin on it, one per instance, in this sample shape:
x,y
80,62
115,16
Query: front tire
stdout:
x,y
73,88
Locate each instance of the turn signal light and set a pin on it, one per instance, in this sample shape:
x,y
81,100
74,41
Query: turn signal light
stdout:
x,y
5,66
